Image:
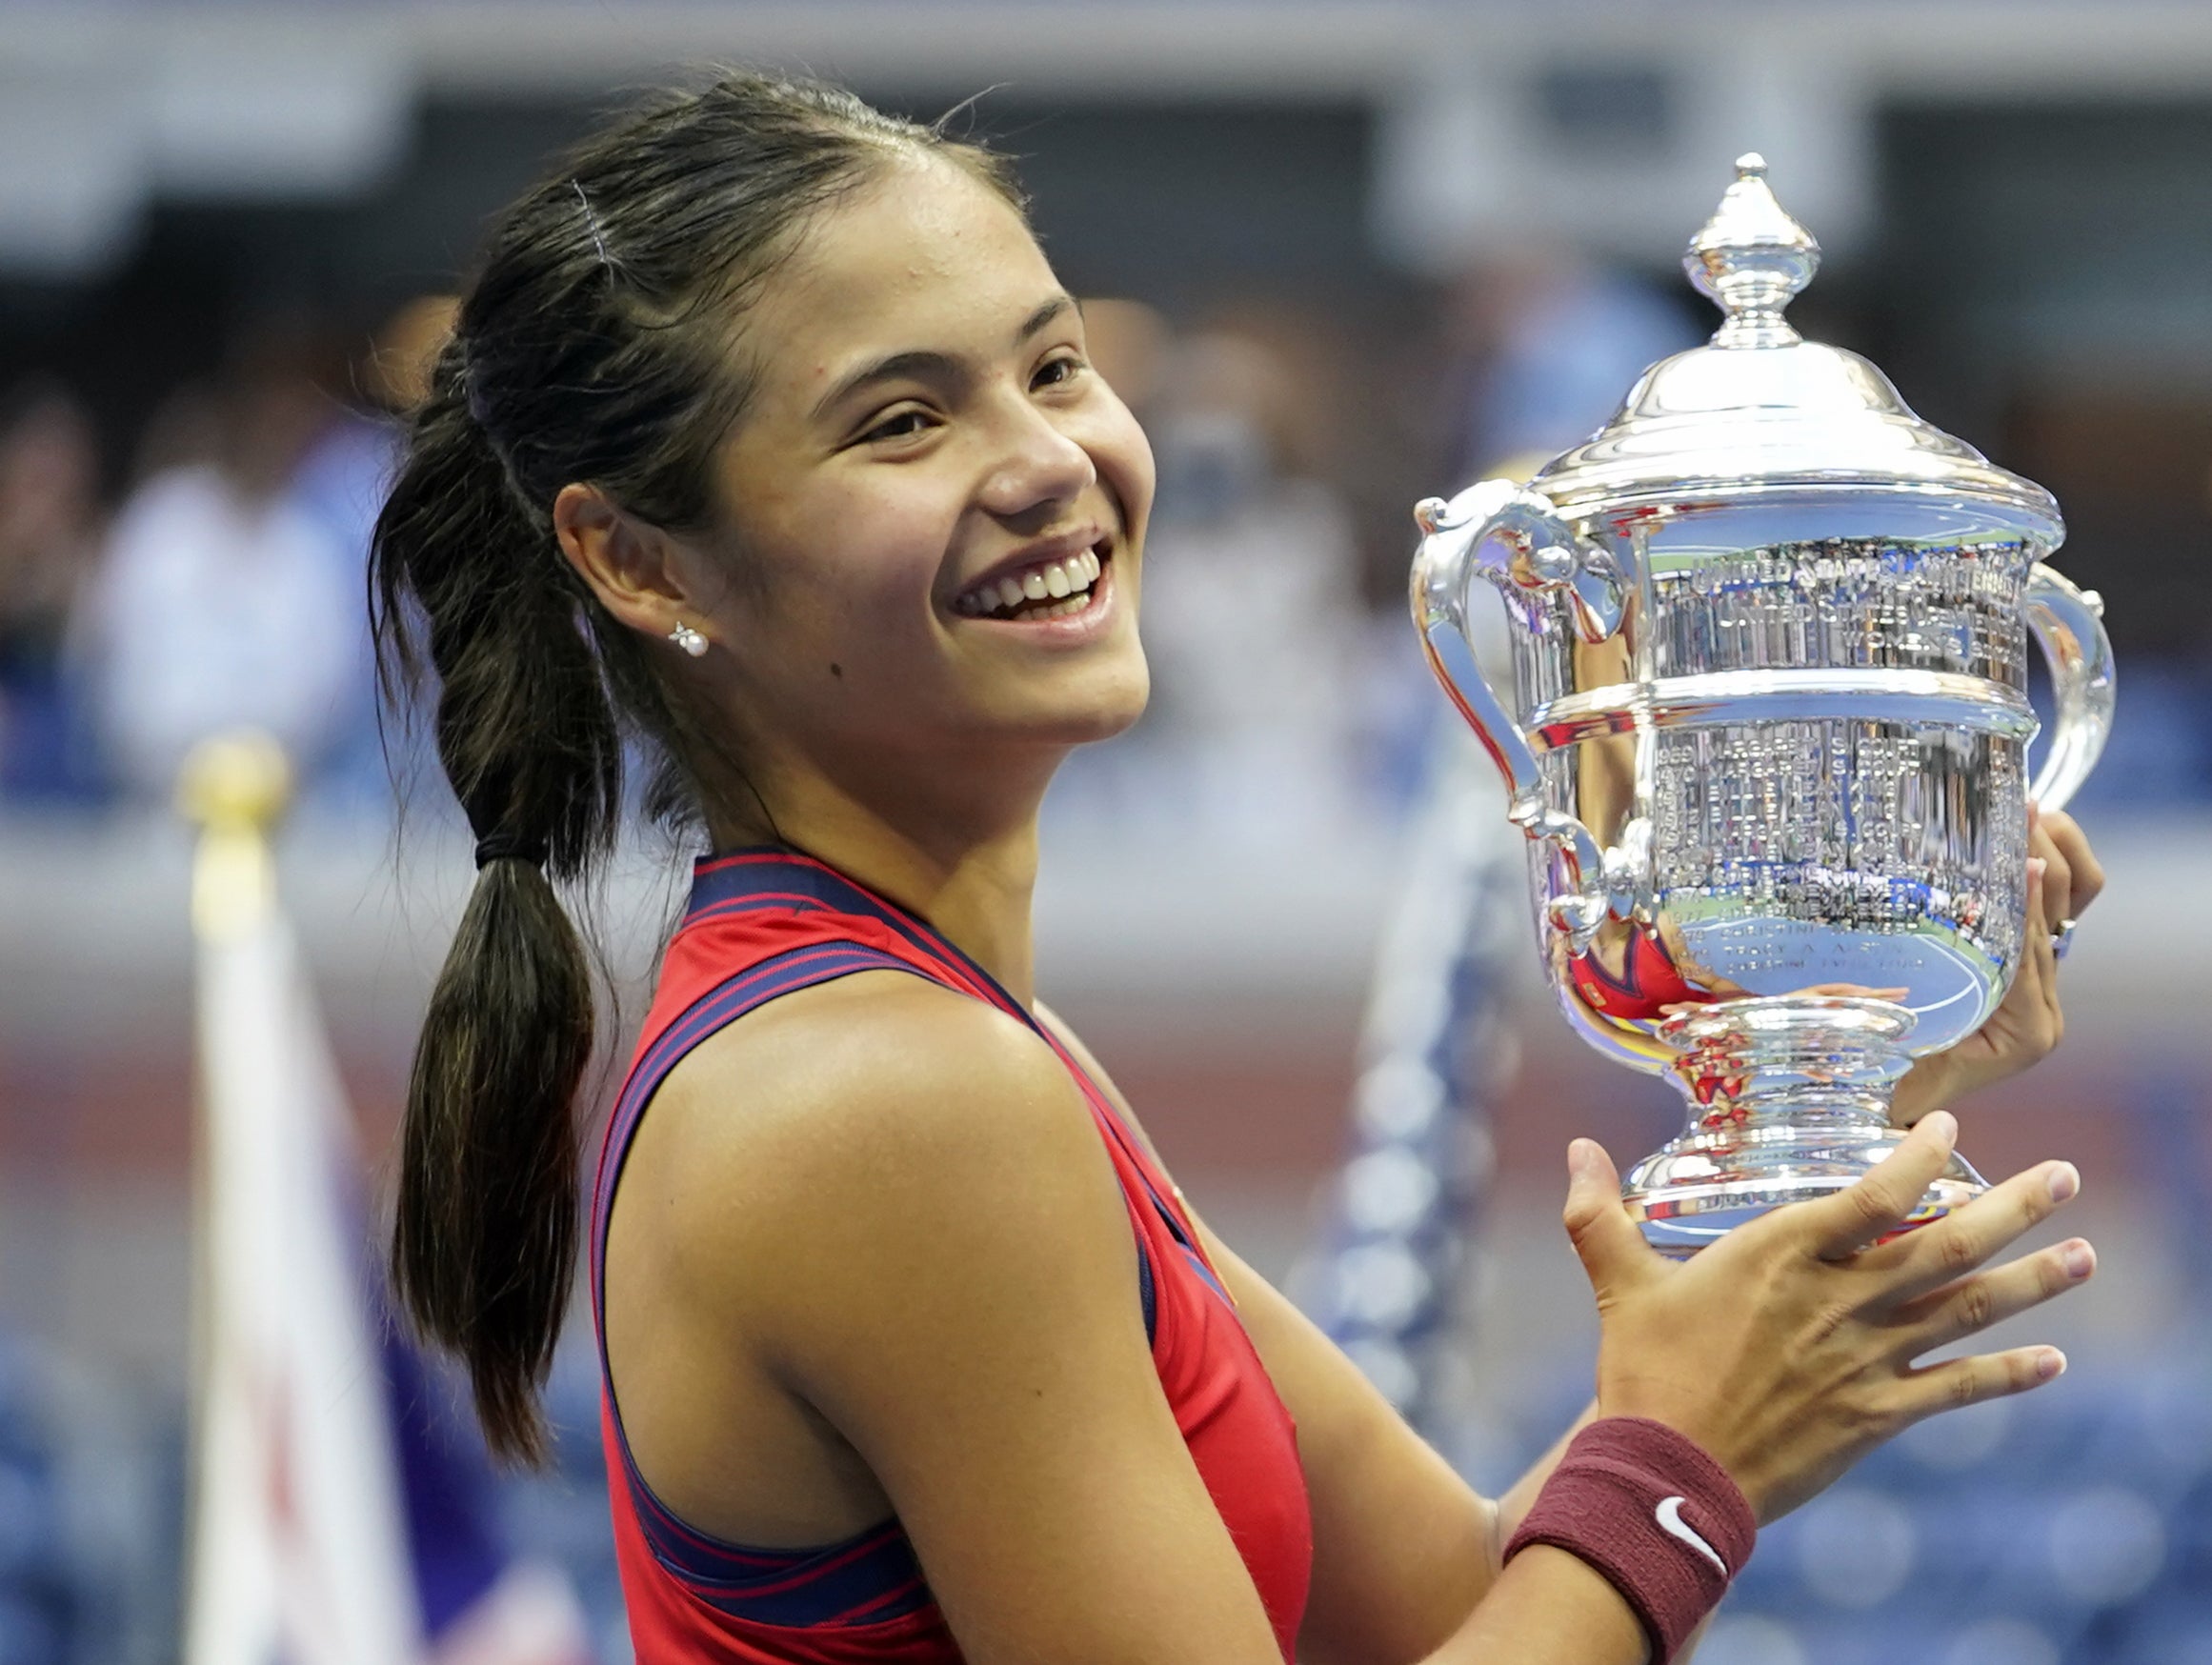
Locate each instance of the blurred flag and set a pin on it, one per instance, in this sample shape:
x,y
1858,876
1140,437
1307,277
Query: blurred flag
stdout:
x,y
299,1552
321,1527
479,1604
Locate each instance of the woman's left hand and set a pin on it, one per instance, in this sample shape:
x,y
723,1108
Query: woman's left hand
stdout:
x,y
2063,878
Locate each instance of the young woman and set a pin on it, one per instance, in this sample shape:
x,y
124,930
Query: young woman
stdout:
x,y
766,435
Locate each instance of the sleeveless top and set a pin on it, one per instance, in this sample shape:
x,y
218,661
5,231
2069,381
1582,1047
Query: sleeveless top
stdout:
x,y
761,923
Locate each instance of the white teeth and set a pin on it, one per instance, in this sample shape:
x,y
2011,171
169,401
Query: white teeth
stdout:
x,y
1064,585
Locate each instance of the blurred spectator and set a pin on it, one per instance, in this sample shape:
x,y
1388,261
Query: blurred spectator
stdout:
x,y
1539,349
50,531
1253,618
1130,345
223,602
1548,345
341,484
184,431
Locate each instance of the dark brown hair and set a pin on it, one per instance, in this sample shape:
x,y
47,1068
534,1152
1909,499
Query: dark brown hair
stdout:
x,y
597,344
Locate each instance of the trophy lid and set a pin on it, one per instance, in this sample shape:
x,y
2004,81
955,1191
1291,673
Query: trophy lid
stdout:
x,y
1760,409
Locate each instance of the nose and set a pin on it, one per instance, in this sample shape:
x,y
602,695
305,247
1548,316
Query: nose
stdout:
x,y
1039,470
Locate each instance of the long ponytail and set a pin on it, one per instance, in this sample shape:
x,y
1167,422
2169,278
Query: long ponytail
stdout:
x,y
483,1242
594,346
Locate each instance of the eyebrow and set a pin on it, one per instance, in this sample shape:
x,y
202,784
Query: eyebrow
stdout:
x,y
924,362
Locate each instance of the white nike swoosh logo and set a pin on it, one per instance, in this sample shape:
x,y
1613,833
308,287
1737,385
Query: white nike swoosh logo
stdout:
x,y
1671,1522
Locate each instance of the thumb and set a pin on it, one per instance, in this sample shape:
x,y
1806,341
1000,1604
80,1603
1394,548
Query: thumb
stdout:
x,y
1613,1251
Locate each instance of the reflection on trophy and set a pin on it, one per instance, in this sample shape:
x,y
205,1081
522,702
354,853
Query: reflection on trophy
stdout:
x,y
1768,732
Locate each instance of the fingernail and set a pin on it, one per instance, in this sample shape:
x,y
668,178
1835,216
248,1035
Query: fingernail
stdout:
x,y
1578,1158
2051,1365
1943,1124
2079,1259
2037,867
2065,1180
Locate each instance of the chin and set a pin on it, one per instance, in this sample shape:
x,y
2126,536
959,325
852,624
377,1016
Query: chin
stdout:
x,y
1104,705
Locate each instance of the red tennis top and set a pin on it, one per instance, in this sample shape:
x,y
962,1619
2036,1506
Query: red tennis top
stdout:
x,y
762,923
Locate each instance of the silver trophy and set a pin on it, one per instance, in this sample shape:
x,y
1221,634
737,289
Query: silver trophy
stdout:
x,y
1768,732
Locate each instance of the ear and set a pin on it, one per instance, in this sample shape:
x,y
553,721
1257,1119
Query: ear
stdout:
x,y
634,569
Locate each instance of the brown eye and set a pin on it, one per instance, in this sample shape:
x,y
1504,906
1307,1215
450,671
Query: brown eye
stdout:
x,y
899,425
1056,371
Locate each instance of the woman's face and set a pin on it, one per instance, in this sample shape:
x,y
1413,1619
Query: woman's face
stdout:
x,y
935,507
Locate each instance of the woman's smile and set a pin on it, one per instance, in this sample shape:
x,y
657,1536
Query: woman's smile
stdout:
x,y
1050,596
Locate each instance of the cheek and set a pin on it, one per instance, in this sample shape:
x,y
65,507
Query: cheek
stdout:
x,y
1122,455
861,588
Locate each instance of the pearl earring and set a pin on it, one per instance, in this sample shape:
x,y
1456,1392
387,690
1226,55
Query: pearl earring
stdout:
x,y
689,640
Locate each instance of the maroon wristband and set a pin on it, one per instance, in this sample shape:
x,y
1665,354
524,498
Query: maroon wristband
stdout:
x,y
1647,1507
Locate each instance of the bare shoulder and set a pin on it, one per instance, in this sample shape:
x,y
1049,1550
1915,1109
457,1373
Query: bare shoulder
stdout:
x,y
869,1132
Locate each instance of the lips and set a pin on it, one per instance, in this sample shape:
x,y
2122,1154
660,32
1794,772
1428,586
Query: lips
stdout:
x,y
1053,581
1039,589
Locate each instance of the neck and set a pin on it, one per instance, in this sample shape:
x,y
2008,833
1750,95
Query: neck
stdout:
x,y
960,852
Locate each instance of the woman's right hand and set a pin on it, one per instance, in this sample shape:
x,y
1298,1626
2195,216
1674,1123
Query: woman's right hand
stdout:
x,y
1787,1348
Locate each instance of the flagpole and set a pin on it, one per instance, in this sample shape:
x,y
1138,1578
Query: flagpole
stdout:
x,y
234,788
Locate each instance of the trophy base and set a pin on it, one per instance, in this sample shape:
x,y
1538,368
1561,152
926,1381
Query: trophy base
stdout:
x,y
1789,1097
1706,1183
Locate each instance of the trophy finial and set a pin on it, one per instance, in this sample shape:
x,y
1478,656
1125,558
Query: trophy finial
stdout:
x,y
1751,257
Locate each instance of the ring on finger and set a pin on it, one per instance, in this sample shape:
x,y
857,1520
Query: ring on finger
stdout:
x,y
2062,939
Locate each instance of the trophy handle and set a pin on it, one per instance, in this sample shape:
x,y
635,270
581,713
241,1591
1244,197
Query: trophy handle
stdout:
x,y
1504,532
2068,623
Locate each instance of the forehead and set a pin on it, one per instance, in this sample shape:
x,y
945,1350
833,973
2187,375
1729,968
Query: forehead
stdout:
x,y
925,256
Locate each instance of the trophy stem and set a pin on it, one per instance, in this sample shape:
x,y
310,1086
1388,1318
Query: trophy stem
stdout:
x,y
1789,1100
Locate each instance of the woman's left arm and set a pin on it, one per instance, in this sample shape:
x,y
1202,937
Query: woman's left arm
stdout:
x,y
1403,1548
2029,1024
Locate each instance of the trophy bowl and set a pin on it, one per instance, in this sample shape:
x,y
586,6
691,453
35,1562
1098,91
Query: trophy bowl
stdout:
x,y
1768,733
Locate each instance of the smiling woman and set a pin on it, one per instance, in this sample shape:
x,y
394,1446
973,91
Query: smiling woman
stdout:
x,y
766,437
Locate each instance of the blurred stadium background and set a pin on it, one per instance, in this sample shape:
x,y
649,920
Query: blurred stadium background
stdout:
x,y
1341,255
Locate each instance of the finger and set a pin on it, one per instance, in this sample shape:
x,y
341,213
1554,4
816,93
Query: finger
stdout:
x,y
2056,882
2036,987
1931,1083
1850,1219
1613,1251
1972,1304
2087,872
1959,1382
2040,960
1966,1237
